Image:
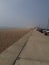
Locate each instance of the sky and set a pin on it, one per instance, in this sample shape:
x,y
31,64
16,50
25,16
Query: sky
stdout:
x,y
24,13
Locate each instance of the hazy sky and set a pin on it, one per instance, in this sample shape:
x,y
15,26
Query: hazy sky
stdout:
x,y
24,13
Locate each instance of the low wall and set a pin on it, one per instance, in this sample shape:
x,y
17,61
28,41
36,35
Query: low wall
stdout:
x,y
9,56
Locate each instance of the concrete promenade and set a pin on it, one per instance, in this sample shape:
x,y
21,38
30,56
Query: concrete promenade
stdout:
x,y
36,51
32,49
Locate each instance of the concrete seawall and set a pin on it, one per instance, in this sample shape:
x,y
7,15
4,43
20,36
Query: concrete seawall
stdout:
x,y
9,56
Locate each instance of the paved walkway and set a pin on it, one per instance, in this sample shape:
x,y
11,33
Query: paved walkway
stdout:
x,y
36,52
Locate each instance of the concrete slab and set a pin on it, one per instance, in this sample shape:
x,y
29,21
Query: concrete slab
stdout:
x,y
30,62
36,52
37,48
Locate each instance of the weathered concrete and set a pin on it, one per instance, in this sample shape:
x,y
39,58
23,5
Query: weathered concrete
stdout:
x,y
30,62
36,52
9,56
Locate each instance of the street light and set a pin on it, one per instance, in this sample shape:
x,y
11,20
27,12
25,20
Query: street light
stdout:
x,y
48,24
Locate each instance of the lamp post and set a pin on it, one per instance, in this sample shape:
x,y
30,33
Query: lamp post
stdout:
x,y
48,24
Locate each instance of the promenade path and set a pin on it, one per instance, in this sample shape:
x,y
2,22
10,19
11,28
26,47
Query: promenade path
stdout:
x,y
32,49
36,51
